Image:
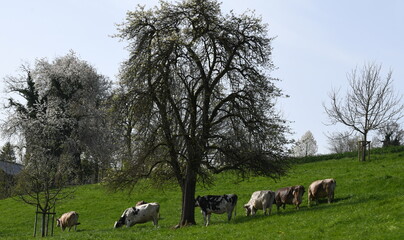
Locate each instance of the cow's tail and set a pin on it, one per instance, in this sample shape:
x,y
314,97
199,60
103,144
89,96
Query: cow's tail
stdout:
x,y
235,205
158,212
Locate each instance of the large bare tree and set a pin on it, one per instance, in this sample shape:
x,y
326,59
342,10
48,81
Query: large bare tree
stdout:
x,y
202,98
369,103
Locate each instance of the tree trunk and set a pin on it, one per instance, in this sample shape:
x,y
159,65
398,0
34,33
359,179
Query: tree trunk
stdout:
x,y
188,198
78,167
43,227
96,172
364,148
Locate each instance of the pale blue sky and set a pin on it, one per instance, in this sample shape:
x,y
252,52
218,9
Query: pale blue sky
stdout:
x,y
317,43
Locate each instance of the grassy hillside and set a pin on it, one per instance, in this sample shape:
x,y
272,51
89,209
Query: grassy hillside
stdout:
x,y
369,205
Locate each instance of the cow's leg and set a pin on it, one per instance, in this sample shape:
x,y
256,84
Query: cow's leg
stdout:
x,y
207,219
155,221
328,198
270,209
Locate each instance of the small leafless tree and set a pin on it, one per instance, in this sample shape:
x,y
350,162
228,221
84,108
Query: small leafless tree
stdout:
x,y
369,103
340,142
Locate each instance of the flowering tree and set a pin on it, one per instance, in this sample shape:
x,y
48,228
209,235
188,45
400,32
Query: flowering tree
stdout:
x,y
203,100
306,146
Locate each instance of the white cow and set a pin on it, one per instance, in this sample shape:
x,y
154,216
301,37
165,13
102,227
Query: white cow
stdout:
x,y
68,220
260,200
139,214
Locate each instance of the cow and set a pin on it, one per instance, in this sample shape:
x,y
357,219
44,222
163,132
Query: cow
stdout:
x,y
321,189
260,200
289,195
139,214
218,204
68,220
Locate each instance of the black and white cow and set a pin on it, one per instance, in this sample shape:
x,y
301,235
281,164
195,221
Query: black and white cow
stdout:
x,y
139,214
216,204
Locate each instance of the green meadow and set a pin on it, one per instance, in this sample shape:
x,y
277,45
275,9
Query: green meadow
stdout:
x,y
369,204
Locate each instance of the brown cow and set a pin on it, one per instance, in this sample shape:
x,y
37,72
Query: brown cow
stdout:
x,y
68,220
321,189
289,195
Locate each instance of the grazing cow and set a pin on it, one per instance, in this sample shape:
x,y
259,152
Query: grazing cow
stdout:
x,y
260,200
216,204
139,214
321,189
68,220
289,195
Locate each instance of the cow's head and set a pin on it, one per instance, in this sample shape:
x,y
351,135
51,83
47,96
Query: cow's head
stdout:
x,y
120,222
298,192
197,201
58,222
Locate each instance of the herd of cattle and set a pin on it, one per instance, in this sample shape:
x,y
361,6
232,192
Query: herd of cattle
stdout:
x,y
219,204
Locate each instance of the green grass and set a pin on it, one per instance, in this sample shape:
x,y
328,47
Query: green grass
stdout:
x,y
369,205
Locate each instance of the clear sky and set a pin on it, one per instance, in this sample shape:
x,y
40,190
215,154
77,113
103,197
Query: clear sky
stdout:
x,y
317,43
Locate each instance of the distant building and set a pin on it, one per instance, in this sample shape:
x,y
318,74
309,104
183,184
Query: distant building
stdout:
x,y
11,168
8,171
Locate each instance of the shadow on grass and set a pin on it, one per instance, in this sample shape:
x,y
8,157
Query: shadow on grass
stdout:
x,y
290,209
341,199
322,205
244,219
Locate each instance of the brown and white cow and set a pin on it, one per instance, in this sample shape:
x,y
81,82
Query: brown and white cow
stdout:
x,y
322,189
289,195
68,220
260,200
139,214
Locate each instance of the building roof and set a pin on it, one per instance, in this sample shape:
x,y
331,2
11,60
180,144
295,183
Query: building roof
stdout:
x,y
11,168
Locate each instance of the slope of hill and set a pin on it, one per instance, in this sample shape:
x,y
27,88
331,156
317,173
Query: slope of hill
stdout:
x,y
369,204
